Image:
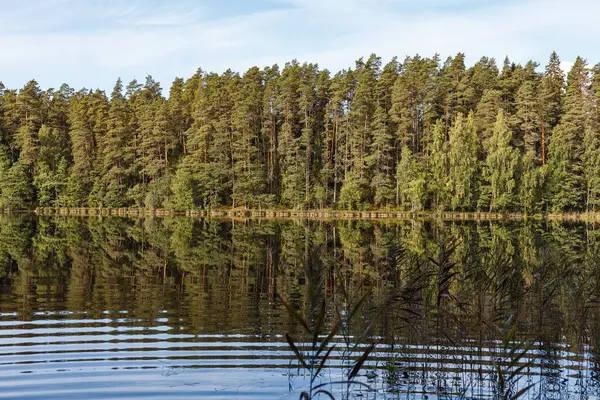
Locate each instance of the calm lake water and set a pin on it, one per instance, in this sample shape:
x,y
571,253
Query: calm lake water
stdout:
x,y
181,308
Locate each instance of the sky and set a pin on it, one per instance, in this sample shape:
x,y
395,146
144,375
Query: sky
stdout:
x,y
91,43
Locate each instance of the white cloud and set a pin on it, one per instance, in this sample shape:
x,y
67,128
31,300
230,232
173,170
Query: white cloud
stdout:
x,y
92,43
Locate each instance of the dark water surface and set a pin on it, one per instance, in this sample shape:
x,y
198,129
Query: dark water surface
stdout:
x,y
182,308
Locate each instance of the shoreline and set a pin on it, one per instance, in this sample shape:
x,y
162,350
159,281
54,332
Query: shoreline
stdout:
x,y
314,214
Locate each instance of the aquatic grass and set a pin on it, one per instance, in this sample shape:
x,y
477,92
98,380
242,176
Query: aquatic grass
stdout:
x,y
493,273
317,357
509,375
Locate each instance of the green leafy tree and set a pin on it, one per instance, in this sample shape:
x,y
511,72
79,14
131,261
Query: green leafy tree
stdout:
x,y
463,163
411,183
350,194
439,168
17,188
500,167
184,191
530,183
591,165
303,137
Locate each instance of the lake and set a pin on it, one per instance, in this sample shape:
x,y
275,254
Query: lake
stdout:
x,y
185,308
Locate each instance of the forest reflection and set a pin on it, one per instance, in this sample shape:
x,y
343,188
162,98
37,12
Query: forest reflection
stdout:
x,y
438,293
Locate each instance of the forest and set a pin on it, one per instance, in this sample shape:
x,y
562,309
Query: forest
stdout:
x,y
417,135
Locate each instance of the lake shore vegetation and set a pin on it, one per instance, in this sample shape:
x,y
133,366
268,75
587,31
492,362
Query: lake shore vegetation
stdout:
x,y
415,135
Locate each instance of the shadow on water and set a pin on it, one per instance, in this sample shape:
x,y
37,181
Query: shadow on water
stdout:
x,y
298,309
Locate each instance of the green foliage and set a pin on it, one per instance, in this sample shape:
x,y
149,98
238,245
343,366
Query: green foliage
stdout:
x,y
183,188
500,167
17,187
551,92
351,195
381,157
527,118
438,168
531,183
117,150
464,165
51,185
566,185
420,135
411,182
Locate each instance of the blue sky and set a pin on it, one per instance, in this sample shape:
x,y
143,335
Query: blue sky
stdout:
x,y
90,43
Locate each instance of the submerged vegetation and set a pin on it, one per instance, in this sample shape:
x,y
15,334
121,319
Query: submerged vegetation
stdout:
x,y
418,134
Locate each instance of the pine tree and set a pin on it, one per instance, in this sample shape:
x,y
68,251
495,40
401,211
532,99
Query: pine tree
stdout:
x,y
381,158
249,186
550,100
155,141
596,92
29,109
57,118
483,76
291,157
192,91
179,113
321,140
155,147
335,149
117,151
528,118
508,84
361,118
210,140
85,113
487,111
563,188
566,146
364,137
591,143
454,85
413,101
308,104
270,127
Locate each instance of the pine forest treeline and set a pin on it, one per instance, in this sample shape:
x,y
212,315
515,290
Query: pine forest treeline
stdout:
x,y
415,135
